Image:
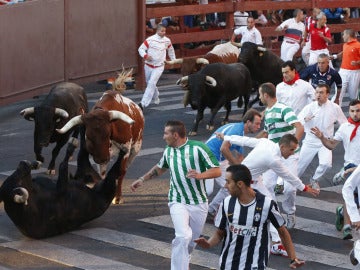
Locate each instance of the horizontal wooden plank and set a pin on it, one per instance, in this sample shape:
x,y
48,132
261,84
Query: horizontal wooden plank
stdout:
x,y
200,36
336,3
153,12
271,5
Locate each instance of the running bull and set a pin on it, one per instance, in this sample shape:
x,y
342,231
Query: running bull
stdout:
x,y
41,208
264,65
222,53
64,101
214,86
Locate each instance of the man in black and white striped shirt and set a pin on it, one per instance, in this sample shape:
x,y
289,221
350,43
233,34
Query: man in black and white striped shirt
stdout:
x,y
244,222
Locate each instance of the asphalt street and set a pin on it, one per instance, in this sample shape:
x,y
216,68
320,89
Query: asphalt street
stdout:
x,y
137,235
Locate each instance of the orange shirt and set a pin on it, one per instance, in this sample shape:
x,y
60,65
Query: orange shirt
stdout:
x,y
351,52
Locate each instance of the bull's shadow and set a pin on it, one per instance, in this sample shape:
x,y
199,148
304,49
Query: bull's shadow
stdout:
x,y
40,207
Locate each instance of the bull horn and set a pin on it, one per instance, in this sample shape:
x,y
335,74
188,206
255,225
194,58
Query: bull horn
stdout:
x,y
202,61
236,44
22,197
211,81
182,80
122,116
61,112
76,120
28,113
175,61
261,49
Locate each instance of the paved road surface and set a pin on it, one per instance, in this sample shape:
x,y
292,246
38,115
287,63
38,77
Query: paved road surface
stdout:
x,y
137,235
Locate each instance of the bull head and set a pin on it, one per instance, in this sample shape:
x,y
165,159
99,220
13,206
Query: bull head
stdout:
x,y
21,195
28,113
114,115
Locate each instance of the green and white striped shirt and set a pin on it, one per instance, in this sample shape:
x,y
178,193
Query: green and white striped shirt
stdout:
x,y
191,155
278,121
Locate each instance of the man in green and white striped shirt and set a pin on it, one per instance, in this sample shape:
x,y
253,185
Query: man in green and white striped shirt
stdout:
x,y
279,120
189,162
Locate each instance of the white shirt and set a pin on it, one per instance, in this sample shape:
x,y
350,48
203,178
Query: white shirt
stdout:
x,y
296,96
156,47
323,117
348,194
294,30
352,148
264,156
253,35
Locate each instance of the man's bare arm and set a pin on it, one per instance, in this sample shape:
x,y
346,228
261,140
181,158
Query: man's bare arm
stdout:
x,y
327,142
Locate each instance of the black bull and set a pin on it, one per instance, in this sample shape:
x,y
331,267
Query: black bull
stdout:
x,y
64,101
214,86
264,65
42,208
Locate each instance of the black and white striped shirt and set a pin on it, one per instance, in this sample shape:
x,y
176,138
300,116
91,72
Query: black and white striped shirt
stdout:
x,y
247,243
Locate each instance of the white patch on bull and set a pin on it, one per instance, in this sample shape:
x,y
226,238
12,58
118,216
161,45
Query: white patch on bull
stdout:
x,y
104,94
225,49
102,170
137,146
125,101
118,98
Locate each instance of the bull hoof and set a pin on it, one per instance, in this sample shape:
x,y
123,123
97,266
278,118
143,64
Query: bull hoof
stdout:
x,y
224,122
118,200
51,172
192,133
208,127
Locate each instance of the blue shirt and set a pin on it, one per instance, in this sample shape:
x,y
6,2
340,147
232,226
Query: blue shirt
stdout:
x,y
229,129
329,77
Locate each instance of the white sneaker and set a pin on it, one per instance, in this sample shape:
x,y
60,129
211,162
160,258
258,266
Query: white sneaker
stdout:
x,y
314,184
339,178
290,221
157,101
279,250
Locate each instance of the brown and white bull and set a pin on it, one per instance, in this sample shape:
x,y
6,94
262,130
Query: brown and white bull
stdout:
x,y
115,122
225,53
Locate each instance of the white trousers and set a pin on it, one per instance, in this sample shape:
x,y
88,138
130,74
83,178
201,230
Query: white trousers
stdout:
x,y
222,193
152,76
188,223
308,152
288,50
270,179
350,83
305,53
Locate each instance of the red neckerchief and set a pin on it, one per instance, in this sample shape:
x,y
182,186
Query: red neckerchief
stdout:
x,y
356,124
297,76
